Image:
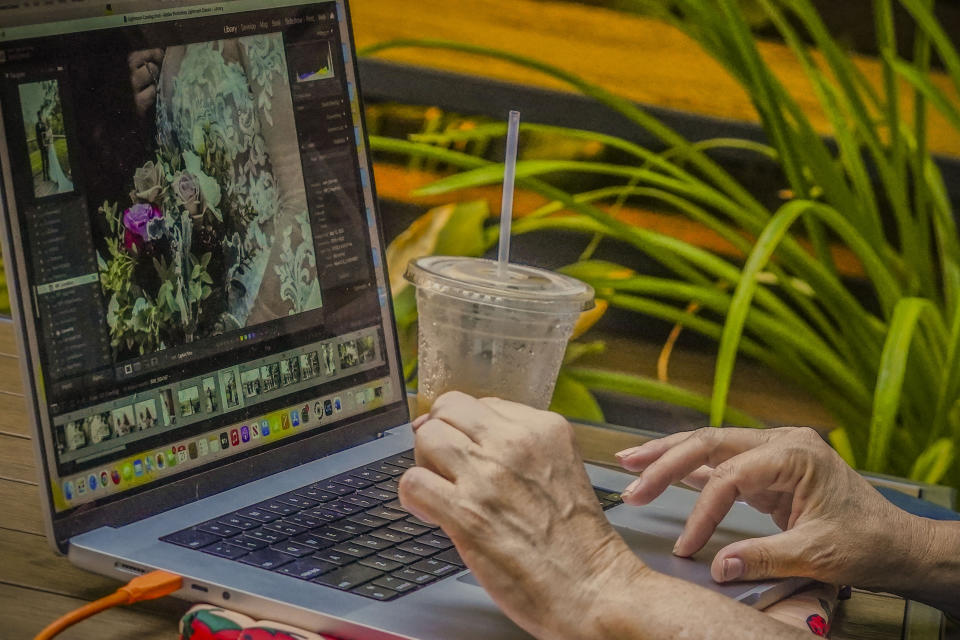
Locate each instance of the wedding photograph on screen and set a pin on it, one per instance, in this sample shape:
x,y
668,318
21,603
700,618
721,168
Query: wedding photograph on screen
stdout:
x,y
207,231
46,138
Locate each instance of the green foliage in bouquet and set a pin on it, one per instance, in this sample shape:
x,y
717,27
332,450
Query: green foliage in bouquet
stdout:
x,y
887,365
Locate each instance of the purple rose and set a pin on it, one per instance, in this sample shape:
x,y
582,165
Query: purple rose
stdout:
x,y
188,192
135,220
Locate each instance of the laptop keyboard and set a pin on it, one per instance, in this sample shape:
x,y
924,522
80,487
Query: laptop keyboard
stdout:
x,y
349,532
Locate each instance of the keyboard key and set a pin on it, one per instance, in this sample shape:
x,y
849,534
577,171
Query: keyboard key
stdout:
x,y
386,469
312,540
417,548
218,529
191,538
332,487
405,527
266,559
316,494
254,513
388,485
370,475
266,535
345,508
355,550
225,550
416,577
334,557
294,549
250,544
434,540
322,514
380,495
307,522
376,592
306,568
243,524
396,584
284,527
351,481
386,514
360,501
397,555
329,533
450,556
367,520
377,544
348,577
352,528
434,567
376,562
277,507
391,536
297,501
395,505
418,521
402,461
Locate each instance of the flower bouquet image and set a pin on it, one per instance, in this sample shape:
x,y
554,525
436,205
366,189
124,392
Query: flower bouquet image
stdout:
x,y
215,235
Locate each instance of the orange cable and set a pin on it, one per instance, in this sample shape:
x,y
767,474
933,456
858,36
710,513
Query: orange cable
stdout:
x,y
150,586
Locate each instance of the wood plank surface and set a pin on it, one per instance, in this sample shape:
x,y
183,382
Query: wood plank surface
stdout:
x,y
642,59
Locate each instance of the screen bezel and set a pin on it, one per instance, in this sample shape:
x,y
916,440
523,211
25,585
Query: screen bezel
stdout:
x,y
229,473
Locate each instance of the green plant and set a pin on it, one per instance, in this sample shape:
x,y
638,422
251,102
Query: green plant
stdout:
x,y
888,367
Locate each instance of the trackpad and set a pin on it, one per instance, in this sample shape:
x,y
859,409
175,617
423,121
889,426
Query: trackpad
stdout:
x,y
468,578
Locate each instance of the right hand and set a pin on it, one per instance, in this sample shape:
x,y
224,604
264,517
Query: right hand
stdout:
x,y
837,528
144,75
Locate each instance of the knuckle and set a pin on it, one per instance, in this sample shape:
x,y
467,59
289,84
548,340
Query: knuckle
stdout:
x,y
705,435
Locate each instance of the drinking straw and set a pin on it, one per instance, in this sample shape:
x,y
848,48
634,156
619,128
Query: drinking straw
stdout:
x,y
506,209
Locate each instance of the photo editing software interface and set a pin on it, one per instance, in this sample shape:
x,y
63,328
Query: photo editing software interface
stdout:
x,y
188,193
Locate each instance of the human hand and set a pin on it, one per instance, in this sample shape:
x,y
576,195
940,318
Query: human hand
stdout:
x,y
507,484
144,77
837,528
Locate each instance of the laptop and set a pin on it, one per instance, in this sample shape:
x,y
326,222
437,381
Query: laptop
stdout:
x,y
210,361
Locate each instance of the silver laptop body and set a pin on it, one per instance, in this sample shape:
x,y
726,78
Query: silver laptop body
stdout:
x,y
196,271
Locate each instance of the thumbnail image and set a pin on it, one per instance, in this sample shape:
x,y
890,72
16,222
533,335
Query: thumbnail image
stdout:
x,y
348,354
146,414
309,365
312,62
211,214
366,350
189,400
124,420
289,371
46,138
231,394
70,436
274,374
327,360
250,382
167,408
211,403
269,384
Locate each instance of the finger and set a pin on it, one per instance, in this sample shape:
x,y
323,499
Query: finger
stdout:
x,y
699,478
139,58
441,448
638,458
141,78
512,410
782,555
146,98
419,420
426,495
465,413
708,446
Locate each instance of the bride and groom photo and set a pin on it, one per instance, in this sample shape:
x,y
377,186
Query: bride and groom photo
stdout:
x,y
46,138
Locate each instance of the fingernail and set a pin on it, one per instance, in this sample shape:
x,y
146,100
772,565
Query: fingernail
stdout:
x,y
732,569
420,420
626,452
677,545
633,486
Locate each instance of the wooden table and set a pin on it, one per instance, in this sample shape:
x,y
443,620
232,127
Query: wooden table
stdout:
x,y
37,586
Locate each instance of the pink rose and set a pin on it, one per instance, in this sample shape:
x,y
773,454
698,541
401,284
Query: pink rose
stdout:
x,y
135,221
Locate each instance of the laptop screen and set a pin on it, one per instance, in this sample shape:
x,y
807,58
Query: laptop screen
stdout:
x,y
193,223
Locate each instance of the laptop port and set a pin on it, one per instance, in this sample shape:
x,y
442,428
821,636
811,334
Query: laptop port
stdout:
x,y
129,568
199,587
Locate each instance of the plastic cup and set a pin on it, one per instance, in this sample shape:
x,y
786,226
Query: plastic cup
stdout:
x,y
488,336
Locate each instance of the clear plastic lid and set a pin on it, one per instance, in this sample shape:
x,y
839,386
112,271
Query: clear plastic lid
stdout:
x,y
477,280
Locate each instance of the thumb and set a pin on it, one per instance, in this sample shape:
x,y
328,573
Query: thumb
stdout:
x,y
783,555
425,494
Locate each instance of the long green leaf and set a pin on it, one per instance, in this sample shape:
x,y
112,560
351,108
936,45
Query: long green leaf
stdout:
x,y
934,463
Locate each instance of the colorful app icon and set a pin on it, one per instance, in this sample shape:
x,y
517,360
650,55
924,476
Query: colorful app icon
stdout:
x,y
115,476
192,450
172,458
182,455
138,467
161,461
104,478
264,428
234,437
127,471
305,413
295,418
337,405
81,486
92,482
148,464
68,490
202,448
254,431
328,407
318,409
224,440
245,433
274,422
214,443
284,421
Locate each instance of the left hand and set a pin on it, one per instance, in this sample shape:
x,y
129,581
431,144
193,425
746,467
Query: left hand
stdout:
x,y
507,484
